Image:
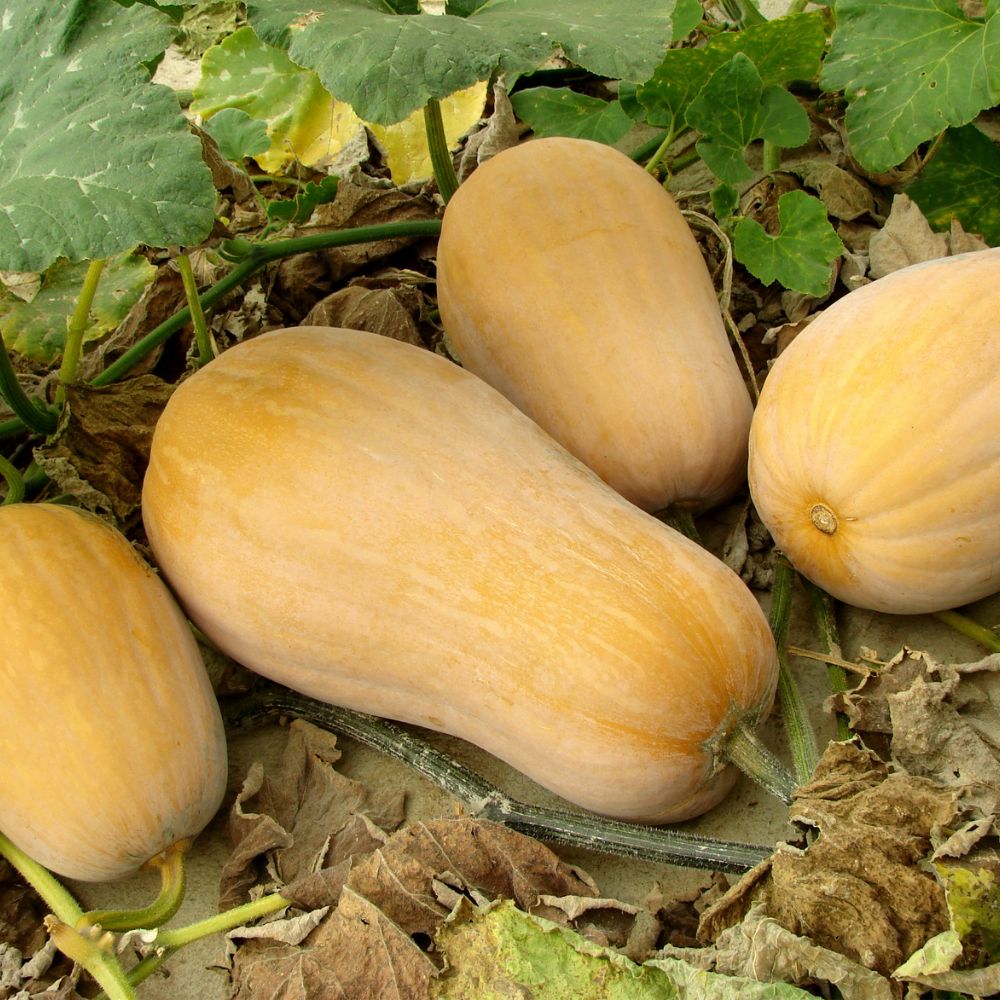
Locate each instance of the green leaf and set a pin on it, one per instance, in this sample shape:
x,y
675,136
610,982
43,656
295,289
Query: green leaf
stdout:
x,y
962,181
733,109
387,65
909,69
94,158
237,134
561,111
37,328
799,256
786,49
299,208
725,201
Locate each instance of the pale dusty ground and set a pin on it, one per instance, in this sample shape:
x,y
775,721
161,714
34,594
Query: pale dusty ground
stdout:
x,y
747,814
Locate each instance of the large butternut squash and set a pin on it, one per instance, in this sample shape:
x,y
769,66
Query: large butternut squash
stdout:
x,y
369,524
875,449
569,280
112,743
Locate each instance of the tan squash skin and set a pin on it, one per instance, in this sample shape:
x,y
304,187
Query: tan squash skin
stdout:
x,y
568,279
883,416
112,742
367,523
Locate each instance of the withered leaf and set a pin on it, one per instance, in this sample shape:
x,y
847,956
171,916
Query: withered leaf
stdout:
x,y
303,819
386,311
943,718
859,889
100,451
906,238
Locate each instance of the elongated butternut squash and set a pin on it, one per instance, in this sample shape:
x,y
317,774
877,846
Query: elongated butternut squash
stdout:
x,y
112,743
875,450
569,280
369,524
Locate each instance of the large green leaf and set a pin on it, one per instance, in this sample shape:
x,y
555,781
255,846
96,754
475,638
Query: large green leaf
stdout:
x,y
94,158
789,48
962,181
561,111
735,108
387,65
909,69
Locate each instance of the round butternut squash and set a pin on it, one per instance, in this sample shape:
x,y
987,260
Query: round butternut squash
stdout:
x,y
367,523
569,280
112,742
875,448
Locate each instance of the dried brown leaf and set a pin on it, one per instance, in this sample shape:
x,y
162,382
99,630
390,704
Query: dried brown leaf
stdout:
x,y
302,820
860,887
846,196
761,949
943,718
100,452
906,238
386,311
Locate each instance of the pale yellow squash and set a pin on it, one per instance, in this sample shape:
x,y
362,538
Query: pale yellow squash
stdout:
x,y
875,449
112,742
368,523
569,280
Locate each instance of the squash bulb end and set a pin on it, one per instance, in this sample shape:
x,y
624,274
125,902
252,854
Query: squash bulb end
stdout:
x,y
823,518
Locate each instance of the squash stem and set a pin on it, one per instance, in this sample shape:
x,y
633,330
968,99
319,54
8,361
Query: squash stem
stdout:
x,y
744,749
253,259
54,894
972,629
801,738
66,912
170,864
177,937
824,612
437,145
14,480
485,801
77,327
661,150
681,519
94,953
206,349
772,157
29,413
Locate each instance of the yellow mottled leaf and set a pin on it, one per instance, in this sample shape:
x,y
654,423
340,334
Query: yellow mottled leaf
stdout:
x,y
405,143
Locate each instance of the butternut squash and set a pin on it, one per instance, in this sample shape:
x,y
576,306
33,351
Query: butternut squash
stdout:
x,y
112,742
569,280
875,449
367,523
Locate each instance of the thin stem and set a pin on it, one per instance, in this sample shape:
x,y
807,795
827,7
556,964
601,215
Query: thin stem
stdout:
x,y
744,749
206,349
14,480
219,923
967,627
254,259
77,327
772,157
437,145
801,738
29,414
824,611
170,864
486,801
54,894
91,953
661,150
